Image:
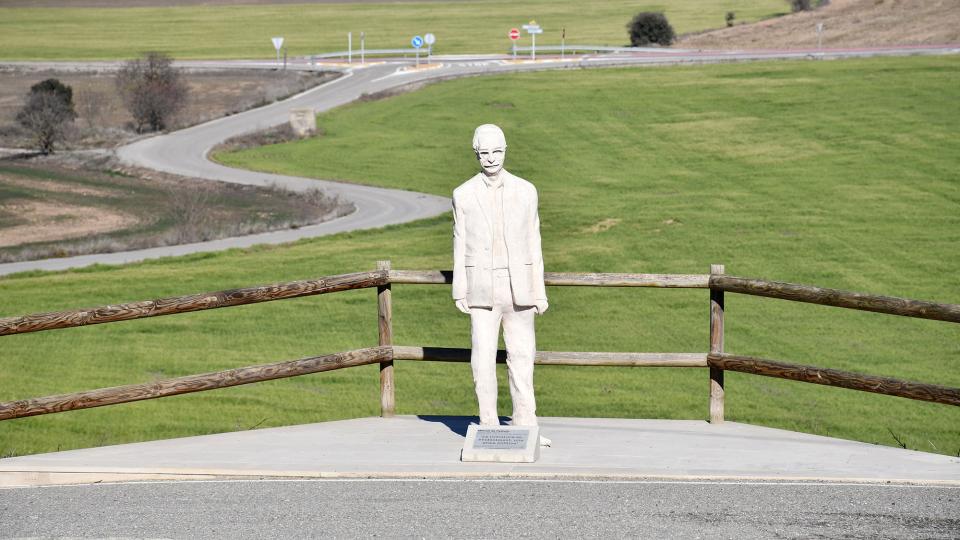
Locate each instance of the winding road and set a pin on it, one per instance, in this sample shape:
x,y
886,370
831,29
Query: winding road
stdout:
x,y
186,152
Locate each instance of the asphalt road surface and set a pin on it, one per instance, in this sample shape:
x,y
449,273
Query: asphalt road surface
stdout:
x,y
480,509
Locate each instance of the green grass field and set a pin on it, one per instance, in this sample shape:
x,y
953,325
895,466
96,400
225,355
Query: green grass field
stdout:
x,y
244,31
839,174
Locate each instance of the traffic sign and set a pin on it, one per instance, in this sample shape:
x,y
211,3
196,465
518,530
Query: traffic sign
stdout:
x,y
429,39
417,42
277,43
533,29
514,34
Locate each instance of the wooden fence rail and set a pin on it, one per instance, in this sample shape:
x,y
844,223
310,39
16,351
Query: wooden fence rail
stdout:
x,y
835,377
838,298
379,278
552,358
192,383
567,279
378,355
193,302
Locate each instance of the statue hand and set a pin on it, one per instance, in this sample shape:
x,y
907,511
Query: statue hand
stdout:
x,y
542,306
462,305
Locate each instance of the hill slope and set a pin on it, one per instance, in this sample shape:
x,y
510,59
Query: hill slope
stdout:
x,y
847,23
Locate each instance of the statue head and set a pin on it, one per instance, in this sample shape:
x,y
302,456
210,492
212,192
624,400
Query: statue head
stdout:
x,y
490,146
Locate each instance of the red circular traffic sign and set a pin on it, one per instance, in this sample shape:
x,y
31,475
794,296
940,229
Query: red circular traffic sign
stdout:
x,y
514,34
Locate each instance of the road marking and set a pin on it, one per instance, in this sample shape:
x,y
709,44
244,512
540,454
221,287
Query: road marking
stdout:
x,y
812,483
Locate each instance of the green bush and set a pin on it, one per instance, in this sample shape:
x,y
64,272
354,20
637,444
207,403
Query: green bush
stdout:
x,y
647,28
47,113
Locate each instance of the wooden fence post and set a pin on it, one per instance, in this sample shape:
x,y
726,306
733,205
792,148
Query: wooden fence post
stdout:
x,y
716,346
385,329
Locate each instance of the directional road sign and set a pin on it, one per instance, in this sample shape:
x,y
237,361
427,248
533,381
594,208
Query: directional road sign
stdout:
x,y
533,29
417,42
429,39
514,34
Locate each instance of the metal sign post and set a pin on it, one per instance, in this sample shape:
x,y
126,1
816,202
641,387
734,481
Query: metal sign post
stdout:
x,y
514,36
349,47
533,29
417,42
429,39
563,42
362,46
277,43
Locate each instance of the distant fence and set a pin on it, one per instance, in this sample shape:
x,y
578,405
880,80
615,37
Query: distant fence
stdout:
x,y
361,54
386,351
571,49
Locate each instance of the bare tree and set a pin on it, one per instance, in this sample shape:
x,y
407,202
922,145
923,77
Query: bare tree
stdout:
x,y
47,113
92,106
152,89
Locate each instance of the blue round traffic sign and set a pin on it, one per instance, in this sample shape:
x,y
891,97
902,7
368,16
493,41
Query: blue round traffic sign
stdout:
x,y
417,42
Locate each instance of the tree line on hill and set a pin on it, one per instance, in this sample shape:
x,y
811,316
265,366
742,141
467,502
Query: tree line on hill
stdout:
x,y
152,90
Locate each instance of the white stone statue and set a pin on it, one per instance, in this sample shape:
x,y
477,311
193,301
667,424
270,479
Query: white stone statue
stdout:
x,y
498,275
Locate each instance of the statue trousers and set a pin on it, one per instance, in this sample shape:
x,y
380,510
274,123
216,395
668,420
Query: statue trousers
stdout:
x,y
519,337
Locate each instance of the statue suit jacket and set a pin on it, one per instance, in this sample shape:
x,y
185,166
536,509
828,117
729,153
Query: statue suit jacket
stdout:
x,y
473,242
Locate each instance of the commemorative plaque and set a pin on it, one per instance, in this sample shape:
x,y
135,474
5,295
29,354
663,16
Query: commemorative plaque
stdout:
x,y
505,444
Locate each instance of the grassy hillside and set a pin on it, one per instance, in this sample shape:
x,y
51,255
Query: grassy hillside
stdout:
x,y
839,174
244,31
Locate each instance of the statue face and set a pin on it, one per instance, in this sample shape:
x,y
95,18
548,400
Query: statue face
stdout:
x,y
491,154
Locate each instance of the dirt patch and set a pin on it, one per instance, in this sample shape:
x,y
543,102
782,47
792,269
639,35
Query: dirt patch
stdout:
x,y
602,225
846,23
59,206
103,121
58,221
57,187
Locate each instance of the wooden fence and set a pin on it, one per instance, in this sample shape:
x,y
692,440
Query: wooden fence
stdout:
x,y
386,352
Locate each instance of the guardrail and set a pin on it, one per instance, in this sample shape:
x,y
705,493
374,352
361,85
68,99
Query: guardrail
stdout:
x,y
386,352
358,53
596,49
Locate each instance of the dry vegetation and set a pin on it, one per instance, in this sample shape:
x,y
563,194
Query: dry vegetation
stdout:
x,y
847,23
171,3
77,203
52,208
104,122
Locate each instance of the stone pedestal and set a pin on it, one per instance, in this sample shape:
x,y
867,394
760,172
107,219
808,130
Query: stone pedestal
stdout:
x,y
505,444
303,122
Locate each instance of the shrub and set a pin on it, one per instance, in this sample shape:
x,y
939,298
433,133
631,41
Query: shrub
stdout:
x,y
47,113
152,89
800,5
647,27
730,17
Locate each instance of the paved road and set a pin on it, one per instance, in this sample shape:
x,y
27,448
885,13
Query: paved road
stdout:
x,y
480,508
185,152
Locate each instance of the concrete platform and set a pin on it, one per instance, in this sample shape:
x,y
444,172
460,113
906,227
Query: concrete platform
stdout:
x,y
429,447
